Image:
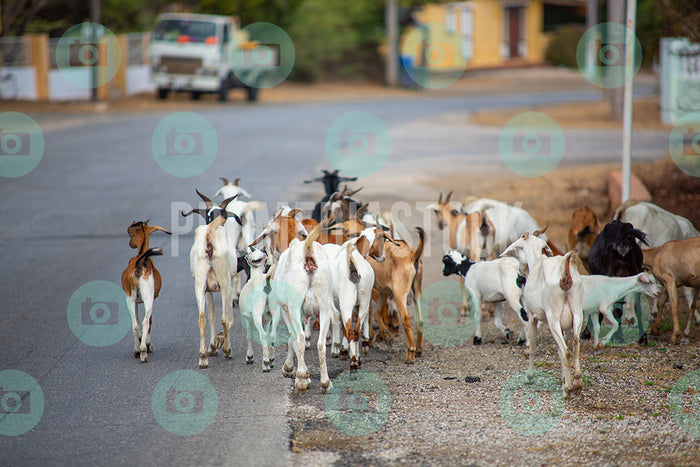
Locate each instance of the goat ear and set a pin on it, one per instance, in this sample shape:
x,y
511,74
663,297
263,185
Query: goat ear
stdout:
x,y
346,179
293,213
525,236
547,252
200,211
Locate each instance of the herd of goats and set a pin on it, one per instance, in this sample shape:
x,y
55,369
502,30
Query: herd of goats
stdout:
x,y
332,265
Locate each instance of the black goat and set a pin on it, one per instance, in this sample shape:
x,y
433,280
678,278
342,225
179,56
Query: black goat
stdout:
x,y
615,251
331,183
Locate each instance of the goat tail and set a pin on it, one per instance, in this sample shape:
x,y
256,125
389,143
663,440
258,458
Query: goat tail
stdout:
x,y
146,254
621,208
310,264
353,275
566,281
419,248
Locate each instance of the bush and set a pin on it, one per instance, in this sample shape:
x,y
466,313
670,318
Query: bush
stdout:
x,y
561,50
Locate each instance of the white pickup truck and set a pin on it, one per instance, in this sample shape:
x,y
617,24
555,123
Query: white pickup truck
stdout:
x,y
192,53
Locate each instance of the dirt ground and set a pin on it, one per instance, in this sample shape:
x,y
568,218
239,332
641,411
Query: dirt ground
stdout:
x,y
452,406
437,416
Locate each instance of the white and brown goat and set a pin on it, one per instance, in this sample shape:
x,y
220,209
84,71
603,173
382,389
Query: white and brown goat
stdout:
x,y
141,282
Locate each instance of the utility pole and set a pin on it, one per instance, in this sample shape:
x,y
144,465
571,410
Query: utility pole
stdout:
x,y
616,11
95,15
627,110
391,19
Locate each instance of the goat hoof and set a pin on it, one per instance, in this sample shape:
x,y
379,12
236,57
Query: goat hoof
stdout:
x,y
149,347
228,354
248,359
137,354
643,339
213,350
510,335
419,353
144,357
266,367
288,372
326,387
477,340
586,334
203,365
521,342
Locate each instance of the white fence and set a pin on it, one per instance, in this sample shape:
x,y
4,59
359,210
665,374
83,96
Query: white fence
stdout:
x,y
680,78
20,77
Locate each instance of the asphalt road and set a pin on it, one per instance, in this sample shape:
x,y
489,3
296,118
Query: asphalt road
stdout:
x,y
64,225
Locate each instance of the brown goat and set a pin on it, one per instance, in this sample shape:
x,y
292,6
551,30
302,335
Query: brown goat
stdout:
x,y
399,274
141,282
675,264
584,228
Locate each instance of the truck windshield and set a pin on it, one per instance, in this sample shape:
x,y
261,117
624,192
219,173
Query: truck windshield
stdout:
x,y
177,30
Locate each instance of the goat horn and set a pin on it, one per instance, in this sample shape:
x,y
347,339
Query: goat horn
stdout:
x,y
224,180
440,198
447,199
199,211
225,202
351,193
236,180
206,200
294,212
537,233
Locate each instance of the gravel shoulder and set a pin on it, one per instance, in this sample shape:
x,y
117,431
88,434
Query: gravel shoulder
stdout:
x,y
436,417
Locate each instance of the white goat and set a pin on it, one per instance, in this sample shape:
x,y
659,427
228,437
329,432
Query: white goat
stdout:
x,y
601,292
552,293
212,264
353,280
304,266
492,281
260,302
509,222
239,236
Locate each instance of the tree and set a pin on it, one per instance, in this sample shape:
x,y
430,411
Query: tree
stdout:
x,y
17,14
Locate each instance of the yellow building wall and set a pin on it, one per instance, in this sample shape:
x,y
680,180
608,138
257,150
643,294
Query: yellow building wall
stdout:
x,y
488,31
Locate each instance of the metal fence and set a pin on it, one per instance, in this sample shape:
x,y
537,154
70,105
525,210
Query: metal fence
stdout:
x,y
137,48
680,78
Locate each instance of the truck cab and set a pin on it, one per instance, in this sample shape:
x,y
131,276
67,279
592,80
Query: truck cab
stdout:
x,y
191,53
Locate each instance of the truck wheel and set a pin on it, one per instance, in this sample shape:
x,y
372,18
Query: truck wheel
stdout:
x,y
252,94
223,90
196,95
163,93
